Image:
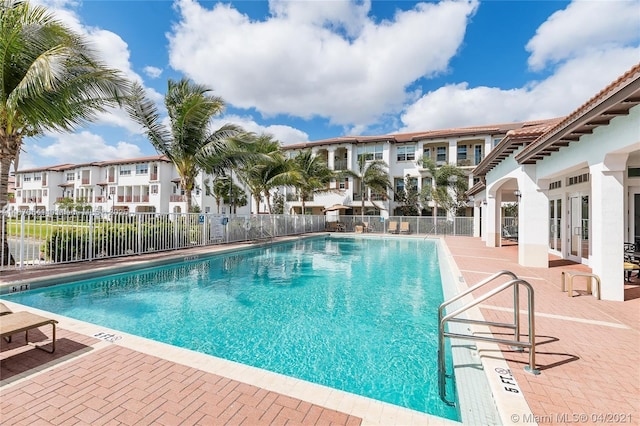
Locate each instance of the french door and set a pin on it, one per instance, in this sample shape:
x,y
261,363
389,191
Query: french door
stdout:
x,y
555,225
578,228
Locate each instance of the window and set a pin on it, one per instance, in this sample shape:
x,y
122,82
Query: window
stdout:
x,y
125,171
343,184
427,182
413,182
44,193
370,153
154,189
462,152
496,141
477,154
441,154
37,177
633,172
142,169
71,177
399,186
26,178
578,179
406,153
555,185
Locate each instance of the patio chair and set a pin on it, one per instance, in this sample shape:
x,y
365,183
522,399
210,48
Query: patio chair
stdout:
x,y
393,227
404,227
631,261
16,322
4,311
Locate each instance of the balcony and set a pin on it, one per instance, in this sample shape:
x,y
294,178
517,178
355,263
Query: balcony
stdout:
x,y
178,199
466,162
293,197
340,165
153,176
85,181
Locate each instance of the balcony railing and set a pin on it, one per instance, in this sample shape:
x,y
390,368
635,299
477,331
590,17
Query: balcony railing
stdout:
x,y
177,198
340,165
85,181
153,176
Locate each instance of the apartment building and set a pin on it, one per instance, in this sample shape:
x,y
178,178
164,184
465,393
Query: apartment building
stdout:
x,y
146,184
404,154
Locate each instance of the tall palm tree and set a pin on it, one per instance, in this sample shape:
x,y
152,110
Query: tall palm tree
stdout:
x,y
50,80
451,184
373,176
269,171
189,141
311,176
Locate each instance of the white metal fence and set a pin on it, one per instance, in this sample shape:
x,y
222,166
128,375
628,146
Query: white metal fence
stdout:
x,y
426,225
41,238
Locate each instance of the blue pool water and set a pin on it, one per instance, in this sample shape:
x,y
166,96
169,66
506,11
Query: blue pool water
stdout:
x,y
354,314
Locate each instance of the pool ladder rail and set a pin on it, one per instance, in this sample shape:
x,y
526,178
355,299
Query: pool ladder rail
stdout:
x,y
518,345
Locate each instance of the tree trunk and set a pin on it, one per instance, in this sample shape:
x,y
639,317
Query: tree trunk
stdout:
x,y
10,146
268,199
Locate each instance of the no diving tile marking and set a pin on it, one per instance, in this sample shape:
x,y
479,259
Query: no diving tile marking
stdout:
x,y
507,381
108,337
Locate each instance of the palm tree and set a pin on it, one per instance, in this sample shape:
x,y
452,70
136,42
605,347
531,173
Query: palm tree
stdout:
x,y
269,171
311,176
189,141
373,176
450,187
50,80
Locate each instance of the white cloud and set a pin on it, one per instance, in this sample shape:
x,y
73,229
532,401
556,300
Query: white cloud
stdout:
x,y
153,72
285,134
309,59
574,83
82,147
111,49
584,26
589,44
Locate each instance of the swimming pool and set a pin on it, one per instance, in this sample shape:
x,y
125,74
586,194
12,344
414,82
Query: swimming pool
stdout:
x,y
358,315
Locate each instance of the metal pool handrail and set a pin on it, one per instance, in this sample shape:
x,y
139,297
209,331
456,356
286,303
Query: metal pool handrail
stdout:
x,y
530,344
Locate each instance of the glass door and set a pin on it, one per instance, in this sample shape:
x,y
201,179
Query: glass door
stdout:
x,y
578,227
555,229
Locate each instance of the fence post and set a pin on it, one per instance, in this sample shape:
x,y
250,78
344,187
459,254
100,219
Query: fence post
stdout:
x,y
90,248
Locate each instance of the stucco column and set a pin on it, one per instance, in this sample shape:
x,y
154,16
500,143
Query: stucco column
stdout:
x,y
452,157
476,218
606,223
533,221
331,158
492,221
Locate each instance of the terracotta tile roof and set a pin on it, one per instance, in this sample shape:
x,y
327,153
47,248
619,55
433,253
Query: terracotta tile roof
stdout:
x,y
56,168
68,166
614,100
514,139
395,138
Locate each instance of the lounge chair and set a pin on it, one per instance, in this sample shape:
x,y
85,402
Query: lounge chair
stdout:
x,y
15,322
404,227
393,227
4,311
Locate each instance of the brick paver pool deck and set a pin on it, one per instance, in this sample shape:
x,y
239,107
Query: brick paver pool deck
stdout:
x,y
588,353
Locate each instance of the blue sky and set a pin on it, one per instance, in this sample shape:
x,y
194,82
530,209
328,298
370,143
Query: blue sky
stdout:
x,y
311,70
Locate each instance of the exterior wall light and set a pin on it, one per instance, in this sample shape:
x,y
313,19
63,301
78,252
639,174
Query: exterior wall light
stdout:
x,y
517,193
